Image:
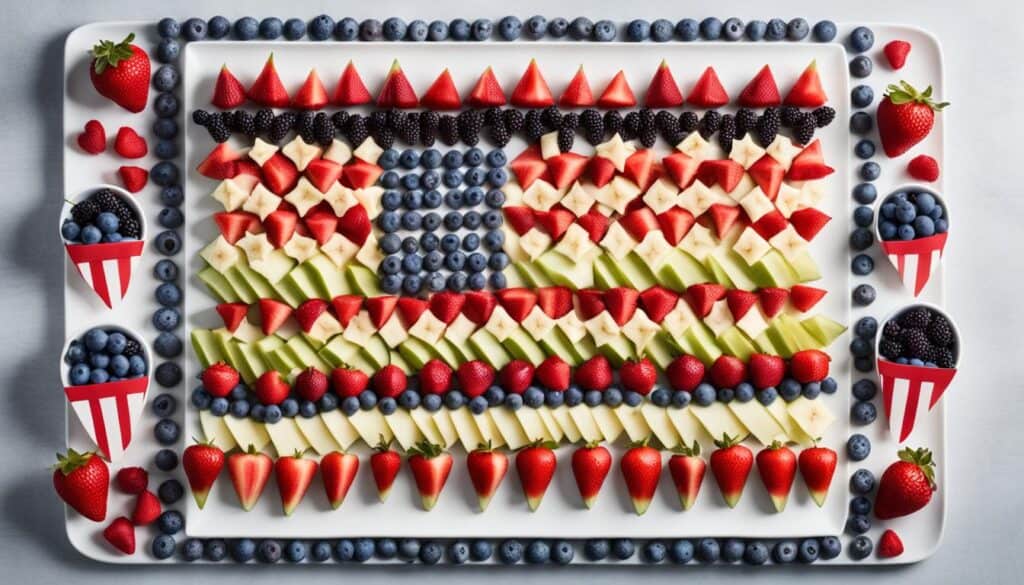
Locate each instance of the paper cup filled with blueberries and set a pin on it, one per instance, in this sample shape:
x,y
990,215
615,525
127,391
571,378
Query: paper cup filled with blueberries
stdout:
x,y
912,226
103,231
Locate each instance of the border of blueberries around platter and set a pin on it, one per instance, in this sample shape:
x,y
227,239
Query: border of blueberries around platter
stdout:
x,y
322,28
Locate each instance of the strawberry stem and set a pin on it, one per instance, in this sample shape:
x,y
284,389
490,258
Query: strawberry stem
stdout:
x,y
110,54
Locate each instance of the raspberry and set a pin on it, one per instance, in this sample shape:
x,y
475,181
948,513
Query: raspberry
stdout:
x,y
131,348
132,480
923,168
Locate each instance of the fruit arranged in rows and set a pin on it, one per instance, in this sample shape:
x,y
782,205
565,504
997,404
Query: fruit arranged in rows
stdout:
x,y
531,91
909,215
103,355
430,466
919,336
102,217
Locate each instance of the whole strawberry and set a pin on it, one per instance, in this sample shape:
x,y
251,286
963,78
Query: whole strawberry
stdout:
x,y
685,373
638,376
905,117
311,384
349,381
594,374
220,379
906,486
435,377
475,377
82,480
202,463
390,381
120,72
554,374
516,376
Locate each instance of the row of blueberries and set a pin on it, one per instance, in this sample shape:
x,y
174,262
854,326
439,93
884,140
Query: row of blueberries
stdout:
x,y
863,411
508,28
510,551
241,403
432,159
450,178
865,193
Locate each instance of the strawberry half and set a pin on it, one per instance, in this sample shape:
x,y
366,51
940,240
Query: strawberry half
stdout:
x,y
532,90
312,95
273,314
351,91
687,468
338,471
772,300
663,91
703,296
487,93
641,468
487,469
380,309
234,225
808,222
681,168
708,91
804,297
397,91
294,476
731,464
621,303
385,464
529,166
762,90
723,217
617,94
430,469
346,307
807,92
442,94
518,302
555,301
817,466
566,168
268,90
896,53
590,466
577,94
657,302
768,174
280,226
228,93
776,464
536,467
232,314
249,473
809,164
479,306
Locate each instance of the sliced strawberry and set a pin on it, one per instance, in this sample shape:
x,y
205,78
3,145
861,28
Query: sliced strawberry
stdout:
x,y
410,309
248,168
479,306
807,91
770,224
639,168
321,225
233,225
591,302
601,171
621,303
346,307
595,223
228,93
220,163
809,164
360,174
446,306
520,217
308,312
397,91
323,173
280,226
638,222
681,167
279,174
555,301
268,90
896,53
708,91
675,223
556,221
726,173
739,302
762,91
312,95
723,216
803,298
246,181
617,94
529,166
351,91
663,92
487,93
657,302
355,224
232,314
773,300
566,168
808,222
517,302
273,314
380,309
768,174
703,296
577,94
442,94
532,91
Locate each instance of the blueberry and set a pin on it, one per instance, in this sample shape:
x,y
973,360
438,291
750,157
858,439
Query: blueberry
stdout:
x,y
687,29
165,128
363,550
558,27
475,177
172,196
744,392
243,550
829,547
533,397
861,66
681,399
704,394
862,482
295,551
394,29
811,390
455,261
166,78
732,29
321,28
320,551
458,552
454,399
494,240
166,431
784,551
416,31
457,281
623,548
271,28
604,31
797,29
218,27
538,552
430,553
864,389
661,397
864,364
165,149
166,459
708,550
861,39
495,396
681,552
654,551
460,29
661,30
862,265
513,402
163,405
408,549
170,491
858,447
861,239
638,30
478,405
573,396
107,222
295,29
79,375
168,28
580,28
924,226
858,524
90,234
711,28
437,31
344,550
861,123
170,522
510,552
870,171
755,553
756,30
369,30
535,27
451,178
863,216
632,399
473,196
166,318
162,546
269,551
776,30
860,505
481,29
215,550
246,28
864,295
496,177
862,96
99,360
863,413
509,28
167,50
725,395
866,327
596,549
824,31
864,149
732,550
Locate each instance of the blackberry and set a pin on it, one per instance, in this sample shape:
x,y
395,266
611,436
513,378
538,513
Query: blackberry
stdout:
x,y
944,358
664,120
394,118
85,211
263,119
499,134
107,200
613,122
384,137
281,126
448,130
631,126
552,118
492,116
593,126
124,213
746,121
709,124
130,228
768,126
688,122
428,128
131,348
915,344
339,119
566,137
201,117
892,330
727,133
218,129
323,129
409,128
916,318
243,123
890,349
674,137
227,118
356,130
648,130
570,121
470,122
939,331
378,121
534,126
804,132
514,120
823,116
304,126
789,116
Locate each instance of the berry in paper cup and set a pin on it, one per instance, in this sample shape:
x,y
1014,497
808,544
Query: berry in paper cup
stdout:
x,y
912,226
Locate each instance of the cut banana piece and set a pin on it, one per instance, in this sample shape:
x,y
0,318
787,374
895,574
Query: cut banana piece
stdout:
x,y
257,247
658,421
301,248
783,151
789,243
640,330
216,431
585,423
262,202
719,320
508,425
812,416
534,243
696,147
622,192
756,204
261,151
632,419
301,153
500,324
428,328
653,250
339,249
746,152
538,324
698,242
549,145
718,420
371,426
575,243
247,433
616,150
571,325
403,428
230,194
751,246
359,329
617,241
339,152
541,195
341,199
370,199
286,437
578,200
661,196
368,151
758,421
337,424
220,255
607,422
315,431
603,328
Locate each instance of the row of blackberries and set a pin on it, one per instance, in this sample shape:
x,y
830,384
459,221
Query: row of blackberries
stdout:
x,y
412,128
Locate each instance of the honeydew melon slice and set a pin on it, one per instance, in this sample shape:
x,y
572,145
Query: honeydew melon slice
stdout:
x,y
735,343
206,347
609,424
445,428
404,428
218,285
533,426
585,423
416,352
523,347
718,420
489,431
556,343
216,431
531,274
489,349
564,420
633,421
362,280
425,422
554,430
773,270
315,431
396,359
338,351
329,279
804,266
660,351
256,281
253,360
247,432
301,280
681,271
305,355
804,340
604,276
371,426
718,273
633,272
823,329
753,415
376,352
658,421
447,352
337,424
574,273
239,284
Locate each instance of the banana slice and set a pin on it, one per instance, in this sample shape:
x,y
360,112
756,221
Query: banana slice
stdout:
x,y
783,151
549,145
286,437
368,151
220,254
459,330
339,249
571,325
337,424
640,330
257,247
262,202
687,425
230,194
696,147
718,420
756,204
578,200
489,432
607,422
246,332
324,328
359,330
541,195
679,319
616,150
585,423
745,151
538,324
698,242
513,193
512,245
428,328
393,332
653,250
370,255
753,415
662,195
622,192
501,324
316,434
753,323
299,247
216,431
341,199
304,196
812,416
247,432
697,198
575,243
617,241
658,421
534,243
339,152
370,198
812,192
789,243
371,426
301,153
405,430
751,246
466,428
508,425
633,421
554,430
788,200
719,319
602,328
742,187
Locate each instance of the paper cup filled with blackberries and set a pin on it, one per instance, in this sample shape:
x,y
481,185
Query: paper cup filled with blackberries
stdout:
x,y
918,349
912,225
103,231
106,372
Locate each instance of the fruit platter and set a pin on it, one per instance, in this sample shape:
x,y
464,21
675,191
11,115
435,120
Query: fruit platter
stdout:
x,y
511,291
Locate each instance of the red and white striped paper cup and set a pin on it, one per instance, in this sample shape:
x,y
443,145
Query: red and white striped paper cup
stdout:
x,y
915,260
109,412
